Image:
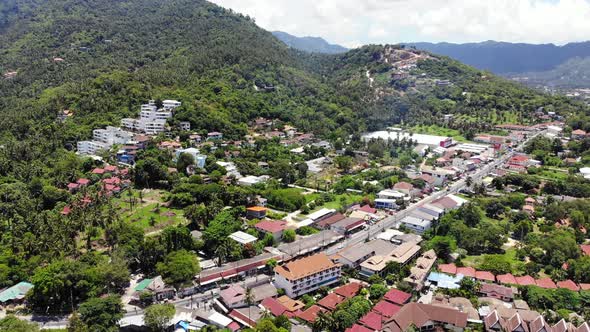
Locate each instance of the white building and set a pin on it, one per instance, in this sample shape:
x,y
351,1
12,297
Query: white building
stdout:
x,y
171,104
307,274
416,224
104,139
390,194
242,238
199,158
152,120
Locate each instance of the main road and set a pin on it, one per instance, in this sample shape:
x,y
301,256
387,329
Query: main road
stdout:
x,y
394,220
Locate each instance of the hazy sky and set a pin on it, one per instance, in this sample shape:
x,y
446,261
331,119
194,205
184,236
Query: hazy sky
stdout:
x,y
356,22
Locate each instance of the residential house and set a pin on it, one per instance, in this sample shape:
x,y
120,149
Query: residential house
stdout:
x,y
404,187
272,227
417,225
234,296
256,212
155,286
15,294
214,136
402,254
307,274
353,256
499,292
426,317
348,225
243,238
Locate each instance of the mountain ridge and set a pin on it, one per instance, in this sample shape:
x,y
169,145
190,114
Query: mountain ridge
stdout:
x,y
309,44
508,58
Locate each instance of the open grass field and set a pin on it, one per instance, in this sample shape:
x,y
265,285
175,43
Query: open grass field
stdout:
x,y
149,212
439,131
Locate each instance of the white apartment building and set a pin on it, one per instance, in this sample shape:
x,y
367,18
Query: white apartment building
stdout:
x,y
307,274
152,120
90,147
104,139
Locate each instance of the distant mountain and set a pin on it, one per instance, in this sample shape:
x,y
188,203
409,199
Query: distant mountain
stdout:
x,y
504,58
574,73
309,44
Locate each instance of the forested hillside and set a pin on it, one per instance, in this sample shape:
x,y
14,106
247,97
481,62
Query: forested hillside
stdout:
x,y
102,59
309,44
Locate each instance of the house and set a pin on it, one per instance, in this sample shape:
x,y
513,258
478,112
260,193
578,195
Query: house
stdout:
x,y
242,238
274,228
184,125
426,317
251,180
417,225
397,296
519,160
372,320
330,301
256,212
358,328
390,194
485,276
327,222
307,274
466,271
546,283
198,158
15,294
348,225
499,292
353,256
311,313
568,284
402,254
157,287
386,204
404,187
585,249
386,309
234,296
349,290
492,321
214,136
514,324
507,279
525,281
579,134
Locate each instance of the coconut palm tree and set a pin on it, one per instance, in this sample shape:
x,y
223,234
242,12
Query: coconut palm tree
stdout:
x,y
324,322
222,251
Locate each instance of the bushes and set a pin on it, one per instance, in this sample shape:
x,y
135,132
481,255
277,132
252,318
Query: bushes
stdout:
x,y
286,199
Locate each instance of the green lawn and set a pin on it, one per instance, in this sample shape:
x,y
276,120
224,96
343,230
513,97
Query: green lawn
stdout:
x,y
552,174
439,131
150,214
336,203
510,254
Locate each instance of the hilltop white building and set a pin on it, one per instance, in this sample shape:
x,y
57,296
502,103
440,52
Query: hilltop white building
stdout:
x,y
104,139
152,120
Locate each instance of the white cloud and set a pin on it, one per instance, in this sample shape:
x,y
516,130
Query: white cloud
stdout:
x,y
354,22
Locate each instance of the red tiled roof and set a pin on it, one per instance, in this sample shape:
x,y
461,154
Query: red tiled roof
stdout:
x,y
546,283
273,306
349,290
372,320
525,280
311,314
83,181
448,268
358,328
507,279
331,220
397,296
403,185
111,168
271,226
386,309
367,208
585,286
485,275
73,185
585,249
233,326
66,210
569,285
98,171
466,271
331,300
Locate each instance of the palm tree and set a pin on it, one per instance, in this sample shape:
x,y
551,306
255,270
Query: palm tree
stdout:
x,y
222,251
249,297
323,322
